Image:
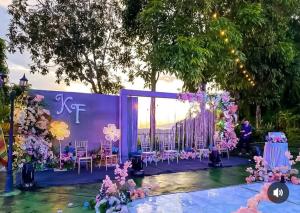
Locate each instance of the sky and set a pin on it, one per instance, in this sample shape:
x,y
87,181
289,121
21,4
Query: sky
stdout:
x,y
19,64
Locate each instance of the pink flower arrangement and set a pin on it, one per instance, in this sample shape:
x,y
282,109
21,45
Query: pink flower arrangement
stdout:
x,y
121,174
225,97
260,172
116,194
191,97
137,194
226,133
233,109
295,180
38,98
131,183
188,155
290,157
253,202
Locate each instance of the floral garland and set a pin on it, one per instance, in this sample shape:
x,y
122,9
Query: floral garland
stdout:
x,y
183,155
115,195
33,143
253,202
225,109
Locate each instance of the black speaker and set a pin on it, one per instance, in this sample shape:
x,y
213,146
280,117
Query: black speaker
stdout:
x,y
137,166
215,159
28,176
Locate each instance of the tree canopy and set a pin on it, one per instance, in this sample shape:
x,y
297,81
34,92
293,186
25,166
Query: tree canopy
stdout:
x,y
79,40
3,65
184,39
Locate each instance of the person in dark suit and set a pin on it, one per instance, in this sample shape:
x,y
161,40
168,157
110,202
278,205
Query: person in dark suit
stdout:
x,y
245,138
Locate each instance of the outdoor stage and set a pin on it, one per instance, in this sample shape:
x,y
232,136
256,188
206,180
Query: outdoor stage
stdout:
x,y
51,178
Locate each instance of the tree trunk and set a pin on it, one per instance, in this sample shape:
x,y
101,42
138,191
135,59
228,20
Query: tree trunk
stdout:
x,y
152,110
258,116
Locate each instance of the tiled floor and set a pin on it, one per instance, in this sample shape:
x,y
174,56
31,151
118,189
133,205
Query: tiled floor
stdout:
x,y
219,200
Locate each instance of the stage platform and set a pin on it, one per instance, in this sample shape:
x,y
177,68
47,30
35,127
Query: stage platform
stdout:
x,y
51,178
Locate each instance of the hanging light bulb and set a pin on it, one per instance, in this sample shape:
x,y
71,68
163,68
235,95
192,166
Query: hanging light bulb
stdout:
x,y
232,51
237,60
226,40
241,66
244,71
249,79
215,15
222,32
247,76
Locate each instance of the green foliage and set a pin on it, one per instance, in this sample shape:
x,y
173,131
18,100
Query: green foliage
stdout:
x,y
80,40
4,108
3,65
269,47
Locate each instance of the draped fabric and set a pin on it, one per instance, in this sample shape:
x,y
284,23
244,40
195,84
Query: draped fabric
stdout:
x,y
274,155
187,132
200,127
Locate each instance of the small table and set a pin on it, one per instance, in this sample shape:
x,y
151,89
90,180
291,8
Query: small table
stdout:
x,y
274,155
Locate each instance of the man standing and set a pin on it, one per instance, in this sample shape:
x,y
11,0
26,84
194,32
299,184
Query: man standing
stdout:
x,y
246,131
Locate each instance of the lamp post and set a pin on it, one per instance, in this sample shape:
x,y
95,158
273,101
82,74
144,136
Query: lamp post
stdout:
x,y
9,172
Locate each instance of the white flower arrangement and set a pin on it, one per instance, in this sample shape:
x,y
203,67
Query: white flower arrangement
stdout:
x,y
112,133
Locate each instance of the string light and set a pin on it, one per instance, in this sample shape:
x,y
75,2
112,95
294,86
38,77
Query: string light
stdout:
x,y
233,51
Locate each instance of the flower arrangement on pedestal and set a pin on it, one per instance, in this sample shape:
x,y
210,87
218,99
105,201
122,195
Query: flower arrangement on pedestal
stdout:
x,y
261,173
278,138
115,195
33,141
111,133
60,131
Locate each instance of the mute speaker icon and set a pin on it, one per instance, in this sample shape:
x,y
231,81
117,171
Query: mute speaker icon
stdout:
x,y
278,192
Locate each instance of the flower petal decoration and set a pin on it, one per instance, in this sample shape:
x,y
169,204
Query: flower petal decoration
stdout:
x,y
59,129
112,133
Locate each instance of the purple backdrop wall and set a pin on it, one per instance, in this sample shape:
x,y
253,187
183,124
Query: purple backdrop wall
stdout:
x,y
86,114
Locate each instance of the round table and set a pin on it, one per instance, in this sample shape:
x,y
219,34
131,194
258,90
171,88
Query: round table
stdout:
x,y
274,155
